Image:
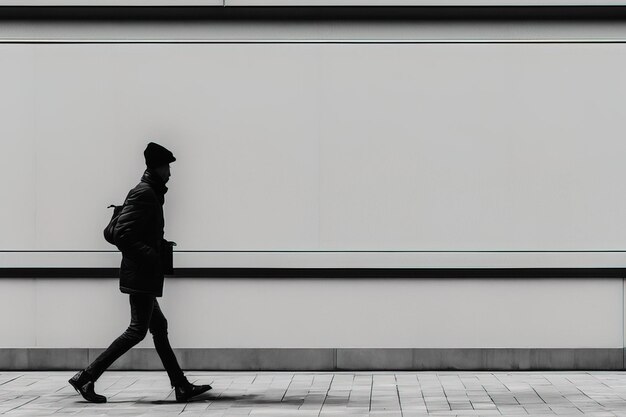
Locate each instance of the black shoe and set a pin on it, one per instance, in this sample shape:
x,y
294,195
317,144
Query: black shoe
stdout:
x,y
186,391
83,384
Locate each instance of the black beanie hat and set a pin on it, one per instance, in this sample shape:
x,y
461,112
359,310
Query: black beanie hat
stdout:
x,y
157,155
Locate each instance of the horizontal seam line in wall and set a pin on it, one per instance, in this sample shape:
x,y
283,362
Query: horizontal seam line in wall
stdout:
x,y
317,41
327,251
294,273
331,11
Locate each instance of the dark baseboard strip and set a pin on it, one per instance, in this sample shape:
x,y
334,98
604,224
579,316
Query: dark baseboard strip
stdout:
x,y
325,359
314,13
356,273
59,272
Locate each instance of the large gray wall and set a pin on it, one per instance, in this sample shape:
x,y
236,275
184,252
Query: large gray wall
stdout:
x,y
318,147
490,154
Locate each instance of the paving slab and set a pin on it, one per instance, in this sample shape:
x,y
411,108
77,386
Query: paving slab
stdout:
x,y
308,394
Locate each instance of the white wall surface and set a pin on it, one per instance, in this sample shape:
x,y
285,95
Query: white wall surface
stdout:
x,y
69,108
112,3
307,31
333,313
443,147
422,2
329,259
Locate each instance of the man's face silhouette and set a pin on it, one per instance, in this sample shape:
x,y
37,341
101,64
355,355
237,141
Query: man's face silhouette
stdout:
x,y
163,171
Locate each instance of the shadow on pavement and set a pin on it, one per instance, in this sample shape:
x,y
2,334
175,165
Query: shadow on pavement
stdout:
x,y
251,399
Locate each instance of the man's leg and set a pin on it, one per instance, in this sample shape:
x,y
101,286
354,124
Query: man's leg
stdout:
x,y
141,307
183,389
158,328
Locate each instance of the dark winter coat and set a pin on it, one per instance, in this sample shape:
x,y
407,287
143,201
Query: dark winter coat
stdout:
x,y
139,235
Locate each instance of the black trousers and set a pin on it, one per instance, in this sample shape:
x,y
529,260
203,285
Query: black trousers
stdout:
x,y
145,314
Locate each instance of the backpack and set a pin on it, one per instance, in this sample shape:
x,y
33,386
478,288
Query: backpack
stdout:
x,y
108,230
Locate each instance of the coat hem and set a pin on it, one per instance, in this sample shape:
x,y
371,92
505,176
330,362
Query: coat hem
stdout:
x,y
127,290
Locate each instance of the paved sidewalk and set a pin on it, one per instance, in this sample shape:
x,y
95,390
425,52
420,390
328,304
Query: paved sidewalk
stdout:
x,y
404,394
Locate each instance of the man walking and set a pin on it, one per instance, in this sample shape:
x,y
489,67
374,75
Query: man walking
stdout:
x,y
139,235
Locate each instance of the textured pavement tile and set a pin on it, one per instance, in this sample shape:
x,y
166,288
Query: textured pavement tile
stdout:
x,y
405,394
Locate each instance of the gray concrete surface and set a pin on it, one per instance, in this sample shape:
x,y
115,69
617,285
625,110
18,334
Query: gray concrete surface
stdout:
x,y
404,394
